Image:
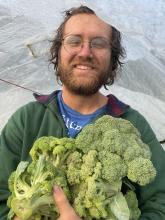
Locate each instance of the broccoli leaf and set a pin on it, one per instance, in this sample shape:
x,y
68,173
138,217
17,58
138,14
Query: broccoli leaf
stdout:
x,y
119,207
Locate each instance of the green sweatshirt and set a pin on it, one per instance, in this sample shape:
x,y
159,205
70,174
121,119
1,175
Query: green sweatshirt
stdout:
x,y
42,118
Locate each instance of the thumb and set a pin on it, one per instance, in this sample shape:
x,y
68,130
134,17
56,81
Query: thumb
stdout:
x,y
61,201
16,218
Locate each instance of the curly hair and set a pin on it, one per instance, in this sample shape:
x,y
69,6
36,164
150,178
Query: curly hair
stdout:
x,y
117,51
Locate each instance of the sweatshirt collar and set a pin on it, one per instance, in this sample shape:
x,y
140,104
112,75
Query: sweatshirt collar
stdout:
x,y
115,107
45,99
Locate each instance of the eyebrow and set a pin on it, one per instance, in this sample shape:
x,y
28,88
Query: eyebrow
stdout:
x,y
79,35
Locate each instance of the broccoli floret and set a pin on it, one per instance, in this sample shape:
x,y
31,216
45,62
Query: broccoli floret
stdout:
x,y
79,207
42,146
26,208
74,162
88,165
113,167
84,141
106,123
52,148
141,171
17,181
31,190
114,142
89,201
136,150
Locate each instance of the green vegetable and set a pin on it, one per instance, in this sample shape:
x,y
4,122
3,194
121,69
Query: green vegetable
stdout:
x,y
31,190
132,204
119,207
96,170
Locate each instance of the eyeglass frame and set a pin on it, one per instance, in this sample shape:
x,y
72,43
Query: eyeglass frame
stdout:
x,y
109,45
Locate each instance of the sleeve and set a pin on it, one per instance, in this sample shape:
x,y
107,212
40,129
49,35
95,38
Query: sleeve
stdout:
x,y
10,152
152,196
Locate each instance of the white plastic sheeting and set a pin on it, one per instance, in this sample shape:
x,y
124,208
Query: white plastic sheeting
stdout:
x,y
26,26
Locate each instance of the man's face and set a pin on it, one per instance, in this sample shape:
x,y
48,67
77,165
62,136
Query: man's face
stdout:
x,y
84,72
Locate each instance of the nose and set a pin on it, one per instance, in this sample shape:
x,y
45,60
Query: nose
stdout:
x,y
85,50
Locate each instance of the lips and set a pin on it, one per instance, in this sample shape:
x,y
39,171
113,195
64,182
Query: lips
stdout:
x,y
83,66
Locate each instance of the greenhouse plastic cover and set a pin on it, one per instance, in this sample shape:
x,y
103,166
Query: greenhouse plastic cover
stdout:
x,y
27,26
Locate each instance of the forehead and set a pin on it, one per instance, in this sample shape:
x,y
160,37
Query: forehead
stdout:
x,y
87,25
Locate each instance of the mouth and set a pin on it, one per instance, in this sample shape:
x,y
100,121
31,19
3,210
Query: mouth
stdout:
x,y
83,67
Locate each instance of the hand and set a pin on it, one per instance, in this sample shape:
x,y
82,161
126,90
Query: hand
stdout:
x,y
65,209
16,218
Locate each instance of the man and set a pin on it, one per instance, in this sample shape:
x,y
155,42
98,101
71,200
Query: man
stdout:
x,y
86,54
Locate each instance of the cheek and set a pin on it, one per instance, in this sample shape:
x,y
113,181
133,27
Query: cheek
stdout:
x,y
106,61
65,58
61,56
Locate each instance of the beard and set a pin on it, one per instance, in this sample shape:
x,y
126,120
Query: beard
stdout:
x,y
87,86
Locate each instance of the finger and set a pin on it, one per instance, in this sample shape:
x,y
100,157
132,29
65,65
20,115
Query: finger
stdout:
x,y
61,201
16,218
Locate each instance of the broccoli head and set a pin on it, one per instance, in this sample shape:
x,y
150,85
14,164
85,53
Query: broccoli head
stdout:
x,y
95,170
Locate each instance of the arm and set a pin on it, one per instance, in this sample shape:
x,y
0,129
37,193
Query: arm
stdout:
x,y
16,140
9,158
152,196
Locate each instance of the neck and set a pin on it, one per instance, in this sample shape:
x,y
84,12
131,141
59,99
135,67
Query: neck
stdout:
x,y
83,104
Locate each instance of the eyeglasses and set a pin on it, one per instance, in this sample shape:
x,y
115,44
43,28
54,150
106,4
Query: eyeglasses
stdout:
x,y
74,43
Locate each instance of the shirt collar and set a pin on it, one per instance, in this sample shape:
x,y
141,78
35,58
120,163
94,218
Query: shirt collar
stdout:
x,y
115,107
